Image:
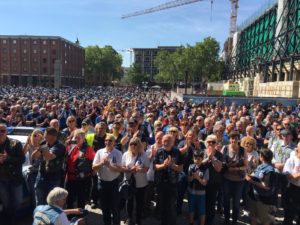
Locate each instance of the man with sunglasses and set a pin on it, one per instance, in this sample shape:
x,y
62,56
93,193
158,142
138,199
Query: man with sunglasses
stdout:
x,y
11,160
107,164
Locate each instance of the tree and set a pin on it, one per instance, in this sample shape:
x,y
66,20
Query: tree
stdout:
x,y
197,63
135,75
102,65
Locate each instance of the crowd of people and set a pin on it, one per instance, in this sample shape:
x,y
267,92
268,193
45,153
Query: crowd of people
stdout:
x,y
88,143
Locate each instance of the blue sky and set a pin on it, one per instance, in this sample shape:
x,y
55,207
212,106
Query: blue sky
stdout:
x,y
99,21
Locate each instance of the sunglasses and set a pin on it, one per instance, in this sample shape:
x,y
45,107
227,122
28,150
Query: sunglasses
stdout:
x,y
211,142
133,144
248,143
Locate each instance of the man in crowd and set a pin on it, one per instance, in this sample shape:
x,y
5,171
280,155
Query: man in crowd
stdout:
x,y
11,160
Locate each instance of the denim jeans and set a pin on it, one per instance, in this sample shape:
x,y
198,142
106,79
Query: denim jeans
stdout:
x,y
11,197
232,190
43,187
182,187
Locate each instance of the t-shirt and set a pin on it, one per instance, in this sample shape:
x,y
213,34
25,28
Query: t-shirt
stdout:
x,y
129,161
104,172
195,187
167,175
292,166
250,157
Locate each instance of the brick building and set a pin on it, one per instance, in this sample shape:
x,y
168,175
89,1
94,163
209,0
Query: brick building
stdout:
x,y
48,61
145,57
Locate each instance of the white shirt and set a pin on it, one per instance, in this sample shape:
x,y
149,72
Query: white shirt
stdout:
x,y
151,172
104,172
292,166
129,161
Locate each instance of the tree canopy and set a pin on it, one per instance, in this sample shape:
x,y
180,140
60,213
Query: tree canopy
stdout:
x,y
199,63
103,65
135,75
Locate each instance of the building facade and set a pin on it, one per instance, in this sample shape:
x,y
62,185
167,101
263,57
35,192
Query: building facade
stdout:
x,y
145,57
48,61
266,51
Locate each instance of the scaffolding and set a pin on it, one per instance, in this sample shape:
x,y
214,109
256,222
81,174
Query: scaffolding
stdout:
x,y
270,45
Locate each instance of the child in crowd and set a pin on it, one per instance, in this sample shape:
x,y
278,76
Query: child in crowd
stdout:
x,y
198,176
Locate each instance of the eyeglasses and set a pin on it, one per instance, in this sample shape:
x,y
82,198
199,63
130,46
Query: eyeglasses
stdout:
x,y
211,142
2,131
279,129
133,144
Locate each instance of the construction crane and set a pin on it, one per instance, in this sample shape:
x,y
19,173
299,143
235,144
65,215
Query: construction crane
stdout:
x,y
164,6
177,3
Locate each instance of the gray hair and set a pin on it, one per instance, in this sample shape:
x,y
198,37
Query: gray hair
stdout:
x,y
56,194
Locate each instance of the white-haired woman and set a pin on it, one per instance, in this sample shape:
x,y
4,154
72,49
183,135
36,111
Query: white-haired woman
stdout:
x,y
79,170
53,212
135,164
213,161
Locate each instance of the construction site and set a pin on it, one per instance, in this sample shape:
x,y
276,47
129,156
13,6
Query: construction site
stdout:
x,y
262,53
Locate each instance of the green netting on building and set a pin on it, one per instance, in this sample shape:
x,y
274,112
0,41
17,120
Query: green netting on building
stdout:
x,y
257,40
293,21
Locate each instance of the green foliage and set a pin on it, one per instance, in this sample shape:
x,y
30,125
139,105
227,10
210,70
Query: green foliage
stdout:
x,y
135,75
199,63
102,65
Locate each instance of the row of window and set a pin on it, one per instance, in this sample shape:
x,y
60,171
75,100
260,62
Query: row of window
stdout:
x,y
35,51
44,60
35,42
14,69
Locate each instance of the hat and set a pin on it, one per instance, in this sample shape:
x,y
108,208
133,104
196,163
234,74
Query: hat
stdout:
x,y
285,132
87,121
132,120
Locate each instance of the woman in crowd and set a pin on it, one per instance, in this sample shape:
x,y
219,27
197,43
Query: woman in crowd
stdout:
x,y
213,161
79,170
33,143
249,144
135,164
235,166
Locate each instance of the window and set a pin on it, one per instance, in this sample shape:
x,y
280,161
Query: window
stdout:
x,y
14,42
14,59
53,43
35,69
14,51
34,51
34,42
35,60
15,69
53,60
24,59
3,41
45,70
44,51
44,60
44,42
66,61
4,50
24,51
25,42
25,69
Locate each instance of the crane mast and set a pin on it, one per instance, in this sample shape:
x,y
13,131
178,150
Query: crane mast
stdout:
x,y
164,6
233,17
